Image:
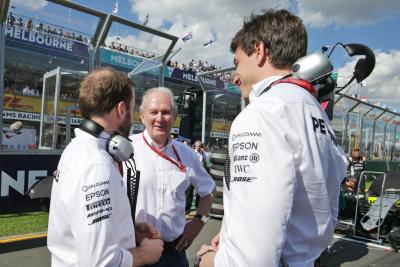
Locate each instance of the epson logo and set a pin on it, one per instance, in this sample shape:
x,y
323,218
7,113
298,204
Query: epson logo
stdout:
x,y
99,193
245,145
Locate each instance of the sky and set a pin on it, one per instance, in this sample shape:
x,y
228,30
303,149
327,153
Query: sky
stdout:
x,y
370,22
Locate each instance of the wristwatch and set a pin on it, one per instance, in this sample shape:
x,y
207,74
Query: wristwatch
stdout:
x,y
202,218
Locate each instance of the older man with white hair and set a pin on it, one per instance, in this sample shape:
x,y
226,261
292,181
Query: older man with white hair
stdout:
x,y
167,169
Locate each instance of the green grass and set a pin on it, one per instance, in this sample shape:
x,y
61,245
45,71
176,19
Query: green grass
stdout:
x,y
23,223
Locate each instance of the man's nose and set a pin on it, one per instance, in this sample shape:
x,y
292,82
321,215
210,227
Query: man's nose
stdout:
x,y
236,80
159,116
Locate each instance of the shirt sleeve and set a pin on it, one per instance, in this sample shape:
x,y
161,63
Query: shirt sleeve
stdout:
x,y
93,207
263,181
199,177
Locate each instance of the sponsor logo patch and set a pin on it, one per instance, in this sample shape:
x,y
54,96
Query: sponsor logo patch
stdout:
x,y
245,134
101,218
85,188
245,179
99,193
254,157
98,204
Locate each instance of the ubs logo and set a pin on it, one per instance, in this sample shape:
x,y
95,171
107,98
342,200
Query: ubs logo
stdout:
x,y
254,157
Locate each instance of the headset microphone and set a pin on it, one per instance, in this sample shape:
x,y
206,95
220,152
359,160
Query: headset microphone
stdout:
x,y
118,146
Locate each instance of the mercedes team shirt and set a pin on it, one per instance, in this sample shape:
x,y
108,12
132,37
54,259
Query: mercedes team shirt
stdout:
x,y
89,221
285,171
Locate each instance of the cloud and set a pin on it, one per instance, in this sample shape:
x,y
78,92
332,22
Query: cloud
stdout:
x,y
212,19
383,83
321,13
29,4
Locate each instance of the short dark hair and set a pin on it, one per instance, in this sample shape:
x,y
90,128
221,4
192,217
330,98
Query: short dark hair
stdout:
x,y
101,90
283,34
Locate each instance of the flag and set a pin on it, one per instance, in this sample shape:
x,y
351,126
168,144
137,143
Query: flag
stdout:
x,y
187,37
209,43
146,20
115,9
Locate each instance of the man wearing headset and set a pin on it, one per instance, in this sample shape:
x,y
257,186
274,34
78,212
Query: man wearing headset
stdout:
x,y
281,199
89,221
167,167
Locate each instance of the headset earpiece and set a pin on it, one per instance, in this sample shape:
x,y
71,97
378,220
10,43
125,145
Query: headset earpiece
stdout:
x,y
118,146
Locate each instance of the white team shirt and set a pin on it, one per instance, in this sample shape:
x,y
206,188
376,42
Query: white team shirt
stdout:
x,y
89,221
286,170
161,198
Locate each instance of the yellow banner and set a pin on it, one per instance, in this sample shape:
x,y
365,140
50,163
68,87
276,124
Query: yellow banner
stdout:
x,y
33,104
221,126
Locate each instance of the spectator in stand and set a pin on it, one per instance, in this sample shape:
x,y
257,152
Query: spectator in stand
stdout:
x,y
60,32
29,25
47,29
79,38
19,22
39,27
73,36
66,34
11,19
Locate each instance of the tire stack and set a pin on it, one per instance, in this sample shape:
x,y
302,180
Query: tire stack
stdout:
x,y
217,159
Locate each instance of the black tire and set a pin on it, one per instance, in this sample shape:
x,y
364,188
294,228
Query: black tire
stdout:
x,y
216,212
219,200
217,174
218,156
220,167
219,183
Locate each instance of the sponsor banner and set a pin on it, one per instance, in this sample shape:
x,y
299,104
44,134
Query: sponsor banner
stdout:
x,y
46,41
17,173
119,59
34,104
192,77
29,116
222,126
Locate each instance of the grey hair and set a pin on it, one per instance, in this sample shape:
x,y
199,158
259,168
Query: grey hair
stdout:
x,y
164,90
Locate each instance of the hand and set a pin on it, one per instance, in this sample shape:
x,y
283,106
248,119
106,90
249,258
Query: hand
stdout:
x,y
206,255
146,230
152,249
215,241
192,229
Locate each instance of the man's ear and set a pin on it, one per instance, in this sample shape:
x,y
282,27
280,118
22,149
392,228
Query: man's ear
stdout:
x,y
121,109
260,53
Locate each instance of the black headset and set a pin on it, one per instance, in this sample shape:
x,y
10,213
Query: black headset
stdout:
x,y
118,146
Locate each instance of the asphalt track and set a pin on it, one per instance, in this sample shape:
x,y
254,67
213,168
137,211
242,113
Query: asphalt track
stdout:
x,y
34,253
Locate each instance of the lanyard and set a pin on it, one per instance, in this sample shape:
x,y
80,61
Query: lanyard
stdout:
x,y
178,163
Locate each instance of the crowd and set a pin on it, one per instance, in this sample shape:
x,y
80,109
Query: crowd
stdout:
x,y
42,27
202,66
130,50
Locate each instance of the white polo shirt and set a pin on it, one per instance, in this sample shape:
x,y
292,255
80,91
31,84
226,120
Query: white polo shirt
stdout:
x,y
89,220
161,198
285,172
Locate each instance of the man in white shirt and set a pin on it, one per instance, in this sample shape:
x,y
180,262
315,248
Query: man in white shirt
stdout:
x,y
167,167
89,221
281,199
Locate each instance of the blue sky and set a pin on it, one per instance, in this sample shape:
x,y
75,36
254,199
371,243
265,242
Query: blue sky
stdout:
x,y
371,22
